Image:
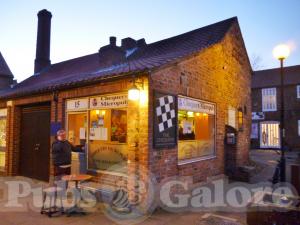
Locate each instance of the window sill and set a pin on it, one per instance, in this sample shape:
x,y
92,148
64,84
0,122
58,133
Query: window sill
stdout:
x,y
187,161
97,172
269,110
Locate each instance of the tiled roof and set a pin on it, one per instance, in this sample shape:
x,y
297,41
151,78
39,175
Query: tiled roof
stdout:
x,y
271,77
4,69
87,69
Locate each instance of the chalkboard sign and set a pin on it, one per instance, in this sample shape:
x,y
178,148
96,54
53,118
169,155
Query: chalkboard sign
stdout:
x,y
164,120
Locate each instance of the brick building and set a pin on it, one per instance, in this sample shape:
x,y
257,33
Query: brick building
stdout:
x,y
190,88
266,106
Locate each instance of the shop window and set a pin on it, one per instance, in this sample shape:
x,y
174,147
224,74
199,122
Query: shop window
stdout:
x,y
107,139
196,132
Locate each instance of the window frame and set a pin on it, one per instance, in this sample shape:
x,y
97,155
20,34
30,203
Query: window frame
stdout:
x,y
206,157
266,104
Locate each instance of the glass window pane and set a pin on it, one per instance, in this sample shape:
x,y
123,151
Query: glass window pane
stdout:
x,y
108,150
196,134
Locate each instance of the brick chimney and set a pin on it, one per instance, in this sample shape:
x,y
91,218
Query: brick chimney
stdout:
x,y
128,43
42,59
111,54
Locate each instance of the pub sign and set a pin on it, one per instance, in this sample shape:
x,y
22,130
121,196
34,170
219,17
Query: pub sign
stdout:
x,y
165,120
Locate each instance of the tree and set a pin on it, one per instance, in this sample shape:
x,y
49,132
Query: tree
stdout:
x,y
256,62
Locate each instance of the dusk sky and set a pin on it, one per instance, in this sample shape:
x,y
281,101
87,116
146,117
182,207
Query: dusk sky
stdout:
x,y
82,27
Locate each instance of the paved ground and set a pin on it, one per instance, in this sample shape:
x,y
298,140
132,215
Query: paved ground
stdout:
x,y
266,160
15,216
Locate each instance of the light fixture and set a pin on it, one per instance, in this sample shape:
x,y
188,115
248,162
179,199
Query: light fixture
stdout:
x,y
190,114
97,112
103,112
134,91
281,51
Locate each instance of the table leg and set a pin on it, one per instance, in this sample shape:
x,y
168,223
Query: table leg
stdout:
x,y
75,210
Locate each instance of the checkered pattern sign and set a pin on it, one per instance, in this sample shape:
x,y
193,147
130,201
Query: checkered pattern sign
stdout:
x,y
165,112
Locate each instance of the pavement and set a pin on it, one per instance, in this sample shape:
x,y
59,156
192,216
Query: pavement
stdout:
x,y
29,212
266,160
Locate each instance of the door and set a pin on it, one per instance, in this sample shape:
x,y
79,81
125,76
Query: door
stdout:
x,y
35,142
77,134
269,135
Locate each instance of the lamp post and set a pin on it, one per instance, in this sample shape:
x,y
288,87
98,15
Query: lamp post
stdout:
x,y
281,52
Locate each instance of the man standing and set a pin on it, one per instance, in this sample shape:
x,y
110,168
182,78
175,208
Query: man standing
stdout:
x,y
61,155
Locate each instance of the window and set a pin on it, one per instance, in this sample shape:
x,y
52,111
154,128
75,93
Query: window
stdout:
x,y
231,117
196,129
298,91
269,99
254,131
3,113
107,139
298,127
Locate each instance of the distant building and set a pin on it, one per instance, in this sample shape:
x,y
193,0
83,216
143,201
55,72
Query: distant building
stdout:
x,y
266,108
6,76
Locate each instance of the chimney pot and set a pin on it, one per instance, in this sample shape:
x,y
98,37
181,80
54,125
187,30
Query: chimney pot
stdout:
x,y
112,41
128,43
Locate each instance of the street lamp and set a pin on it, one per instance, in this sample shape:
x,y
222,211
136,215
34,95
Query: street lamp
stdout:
x,y
281,52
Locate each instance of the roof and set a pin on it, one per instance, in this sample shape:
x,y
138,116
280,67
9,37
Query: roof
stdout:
x,y
4,69
87,69
271,77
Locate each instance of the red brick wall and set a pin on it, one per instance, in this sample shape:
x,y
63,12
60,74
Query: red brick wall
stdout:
x,y
220,74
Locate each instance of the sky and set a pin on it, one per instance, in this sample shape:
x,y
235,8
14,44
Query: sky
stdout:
x,y
81,27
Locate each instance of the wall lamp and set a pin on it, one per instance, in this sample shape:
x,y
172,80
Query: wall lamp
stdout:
x,y
134,91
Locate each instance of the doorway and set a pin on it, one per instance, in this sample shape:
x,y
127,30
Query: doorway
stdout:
x,y
269,134
35,142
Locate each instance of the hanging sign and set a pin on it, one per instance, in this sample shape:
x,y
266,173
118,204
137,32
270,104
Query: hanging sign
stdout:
x,y
77,104
258,115
109,101
165,121
195,105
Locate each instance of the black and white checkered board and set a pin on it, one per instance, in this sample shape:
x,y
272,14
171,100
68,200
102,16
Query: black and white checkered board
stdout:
x,y
165,112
